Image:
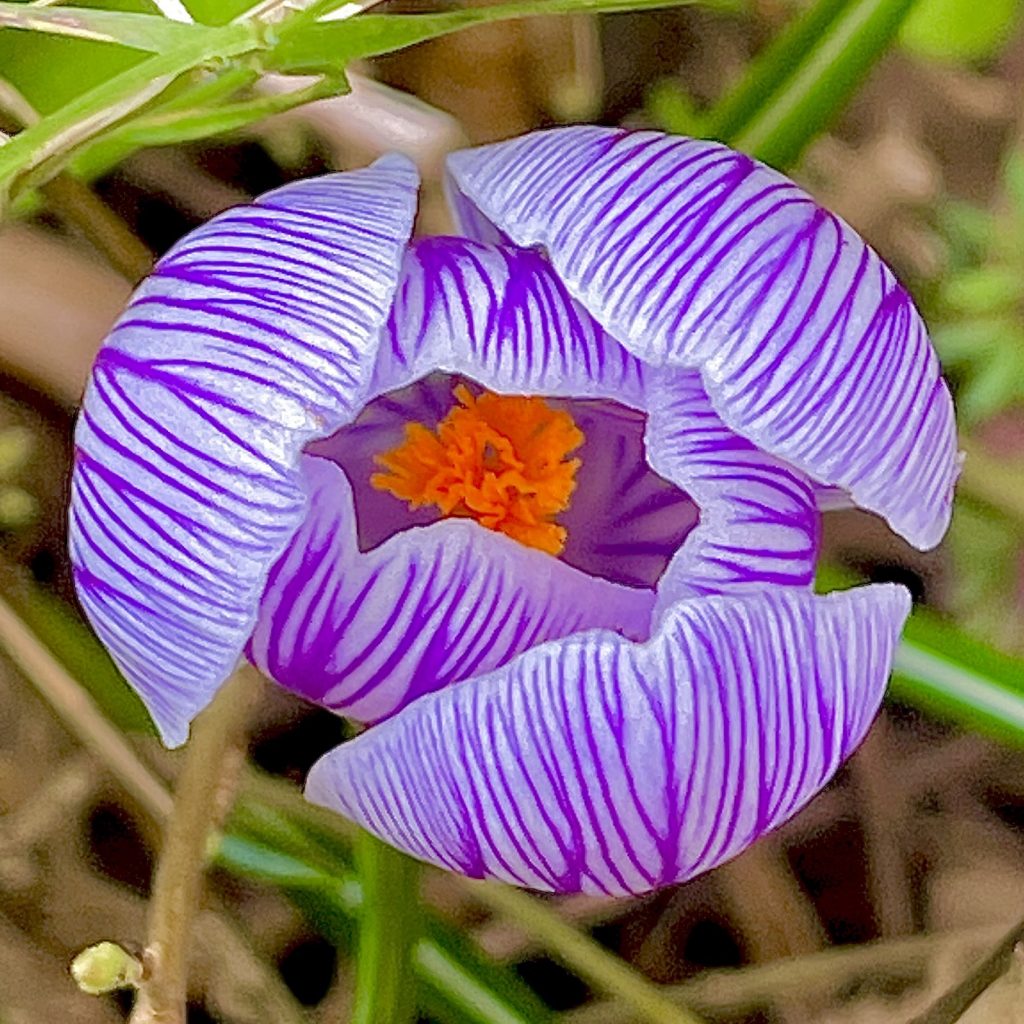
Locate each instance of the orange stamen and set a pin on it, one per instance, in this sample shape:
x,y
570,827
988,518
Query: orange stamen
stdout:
x,y
500,460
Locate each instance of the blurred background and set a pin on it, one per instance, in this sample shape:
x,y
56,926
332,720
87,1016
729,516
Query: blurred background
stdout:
x,y
889,886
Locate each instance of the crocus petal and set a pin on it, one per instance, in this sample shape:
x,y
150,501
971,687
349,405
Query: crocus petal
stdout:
x,y
254,334
599,765
691,254
500,315
366,633
759,522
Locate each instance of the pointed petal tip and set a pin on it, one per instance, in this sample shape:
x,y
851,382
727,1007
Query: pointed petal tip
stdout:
x,y
923,534
172,730
892,599
399,168
319,790
398,163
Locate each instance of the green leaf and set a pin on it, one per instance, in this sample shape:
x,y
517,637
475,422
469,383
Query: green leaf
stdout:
x,y
265,864
461,986
170,125
311,48
985,289
823,75
996,384
974,342
16,446
1013,180
968,228
943,669
673,110
218,12
139,31
50,70
18,508
960,30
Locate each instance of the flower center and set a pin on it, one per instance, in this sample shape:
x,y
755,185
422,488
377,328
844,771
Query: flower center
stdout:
x,y
500,460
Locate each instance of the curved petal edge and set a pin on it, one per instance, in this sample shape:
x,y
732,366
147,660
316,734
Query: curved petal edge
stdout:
x,y
694,255
595,764
255,333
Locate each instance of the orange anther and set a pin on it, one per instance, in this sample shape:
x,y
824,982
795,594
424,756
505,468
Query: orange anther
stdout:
x,y
500,460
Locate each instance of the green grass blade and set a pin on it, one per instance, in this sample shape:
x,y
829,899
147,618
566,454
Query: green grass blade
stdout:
x,y
56,136
330,46
139,31
167,126
771,68
806,102
941,668
455,983
463,987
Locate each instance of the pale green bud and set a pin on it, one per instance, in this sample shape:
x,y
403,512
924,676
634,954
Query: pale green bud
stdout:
x,y
105,967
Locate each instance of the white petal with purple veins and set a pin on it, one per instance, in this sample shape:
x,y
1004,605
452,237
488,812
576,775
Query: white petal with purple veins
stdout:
x,y
367,632
759,522
596,764
692,254
500,315
255,334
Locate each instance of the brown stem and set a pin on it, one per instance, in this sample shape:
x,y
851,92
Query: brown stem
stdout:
x,y
776,916
883,817
77,204
952,1006
80,715
200,800
738,991
233,966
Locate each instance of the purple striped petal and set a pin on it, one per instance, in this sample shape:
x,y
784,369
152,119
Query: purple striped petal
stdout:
x,y
367,632
600,765
255,334
694,255
499,315
759,522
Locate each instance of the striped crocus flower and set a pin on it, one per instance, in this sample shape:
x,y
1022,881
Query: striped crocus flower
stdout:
x,y
540,502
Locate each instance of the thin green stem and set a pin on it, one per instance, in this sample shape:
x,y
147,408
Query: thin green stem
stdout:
x,y
604,971
388,930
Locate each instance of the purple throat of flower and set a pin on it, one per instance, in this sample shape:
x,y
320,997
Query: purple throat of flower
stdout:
x,y
541,501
